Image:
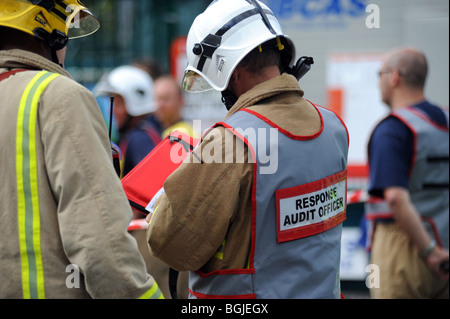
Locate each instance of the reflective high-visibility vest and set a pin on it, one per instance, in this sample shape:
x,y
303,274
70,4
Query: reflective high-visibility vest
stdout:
x,y
27,187
428,178
298,206
30,259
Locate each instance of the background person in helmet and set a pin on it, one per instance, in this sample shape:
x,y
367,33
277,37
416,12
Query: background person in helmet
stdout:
x,y
134,104
218,218
64,215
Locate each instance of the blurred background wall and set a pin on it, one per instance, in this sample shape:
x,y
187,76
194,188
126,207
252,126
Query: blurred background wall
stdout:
x,y
130,30
135,29
345,37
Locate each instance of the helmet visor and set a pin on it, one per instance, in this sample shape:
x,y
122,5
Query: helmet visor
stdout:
x,y
195,83
81,23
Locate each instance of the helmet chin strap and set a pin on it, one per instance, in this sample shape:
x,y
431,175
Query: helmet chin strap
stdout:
x,y
56,40
228,98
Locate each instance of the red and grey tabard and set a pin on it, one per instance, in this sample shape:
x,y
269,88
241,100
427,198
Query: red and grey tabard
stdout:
x,y
298,206
428,177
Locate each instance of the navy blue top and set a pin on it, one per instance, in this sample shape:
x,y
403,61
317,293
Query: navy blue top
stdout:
x,y
140,143
391,150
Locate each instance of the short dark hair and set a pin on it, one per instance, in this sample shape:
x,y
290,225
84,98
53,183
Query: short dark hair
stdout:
x,y
3,32
13,38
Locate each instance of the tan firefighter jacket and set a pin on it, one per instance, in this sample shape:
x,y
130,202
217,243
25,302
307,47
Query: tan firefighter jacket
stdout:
x,y
202,221
63,213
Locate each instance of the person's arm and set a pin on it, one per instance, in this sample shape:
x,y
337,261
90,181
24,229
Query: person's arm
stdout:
x,y
408,219
192,217
93,212
390,154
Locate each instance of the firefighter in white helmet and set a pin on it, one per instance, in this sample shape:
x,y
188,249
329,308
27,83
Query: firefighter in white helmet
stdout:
x,y
134,104
256,211
64,215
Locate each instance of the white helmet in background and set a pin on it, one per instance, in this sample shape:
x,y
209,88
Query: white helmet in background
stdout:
x,y
133,84
223,35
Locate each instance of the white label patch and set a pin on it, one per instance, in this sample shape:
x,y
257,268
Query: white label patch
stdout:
x,y
311,208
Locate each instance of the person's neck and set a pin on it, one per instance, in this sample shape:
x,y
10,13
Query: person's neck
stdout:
x,y
250,80
407,98
14,39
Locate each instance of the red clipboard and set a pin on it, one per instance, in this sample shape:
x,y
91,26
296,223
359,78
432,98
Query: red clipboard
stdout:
x,y
148,177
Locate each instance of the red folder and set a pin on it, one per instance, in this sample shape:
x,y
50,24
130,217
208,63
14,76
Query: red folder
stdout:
x,y
148,177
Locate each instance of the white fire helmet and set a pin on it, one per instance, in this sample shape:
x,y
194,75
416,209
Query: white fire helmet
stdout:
x,y
223,35
133,84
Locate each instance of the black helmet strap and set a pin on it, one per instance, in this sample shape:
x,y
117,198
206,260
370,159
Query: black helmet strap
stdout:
x,y
56,40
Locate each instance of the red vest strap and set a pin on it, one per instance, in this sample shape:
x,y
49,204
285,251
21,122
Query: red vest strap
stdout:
x,y
6,75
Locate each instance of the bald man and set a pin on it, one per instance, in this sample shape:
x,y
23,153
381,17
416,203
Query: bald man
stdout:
x,y
409,168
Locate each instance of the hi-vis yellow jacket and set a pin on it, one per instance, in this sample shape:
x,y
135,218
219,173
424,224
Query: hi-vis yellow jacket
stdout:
x,y
63,213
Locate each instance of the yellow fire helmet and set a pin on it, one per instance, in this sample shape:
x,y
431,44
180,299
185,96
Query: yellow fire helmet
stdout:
x,y
52,21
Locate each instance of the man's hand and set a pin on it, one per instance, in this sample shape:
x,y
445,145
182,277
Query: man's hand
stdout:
x,y
408,219
435,259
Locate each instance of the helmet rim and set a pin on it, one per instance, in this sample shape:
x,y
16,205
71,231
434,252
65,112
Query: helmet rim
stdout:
x,y
66,19
215,51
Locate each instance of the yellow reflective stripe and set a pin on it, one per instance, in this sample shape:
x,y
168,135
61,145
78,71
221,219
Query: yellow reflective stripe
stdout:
x,y
218,255
151,215
27,188
219,252
153,293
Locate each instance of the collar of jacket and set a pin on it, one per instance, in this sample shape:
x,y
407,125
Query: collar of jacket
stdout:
x,y
20,59
281,84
